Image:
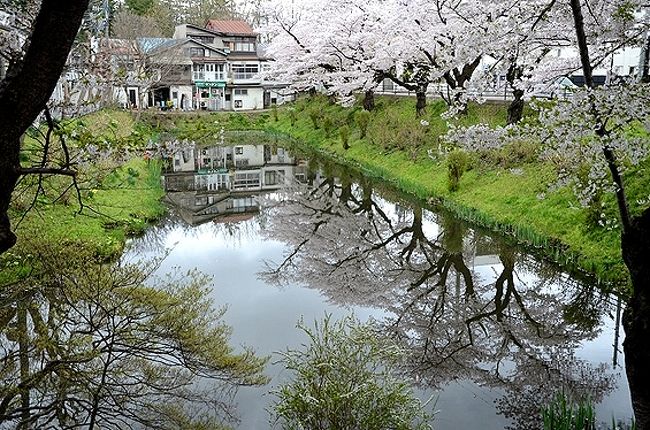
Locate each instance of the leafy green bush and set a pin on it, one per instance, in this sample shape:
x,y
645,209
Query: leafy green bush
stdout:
x,y
315,116
274,111
344,132
457,162
328,125
238,121
345,379
561,414
362,118
394,131
293,116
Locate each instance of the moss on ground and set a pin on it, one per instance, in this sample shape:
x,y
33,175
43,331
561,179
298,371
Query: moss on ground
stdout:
x,y
120,203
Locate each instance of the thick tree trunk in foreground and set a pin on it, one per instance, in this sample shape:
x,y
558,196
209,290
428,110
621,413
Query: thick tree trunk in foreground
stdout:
x,y
9,163
635,244
636,319
26,89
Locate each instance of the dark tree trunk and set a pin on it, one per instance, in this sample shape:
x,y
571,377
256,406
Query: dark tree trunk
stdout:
x,y
516,108
369,100
636,319
461,105
456,79
9,164
26,89
421,103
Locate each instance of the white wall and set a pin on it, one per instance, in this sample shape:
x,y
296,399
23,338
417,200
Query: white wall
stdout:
x,y
254,99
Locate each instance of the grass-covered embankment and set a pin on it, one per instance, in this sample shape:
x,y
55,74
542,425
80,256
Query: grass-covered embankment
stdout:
x,y
507,191
117,199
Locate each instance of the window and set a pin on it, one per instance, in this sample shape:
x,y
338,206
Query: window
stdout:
x,y
227,97
245,180
239,104
197,52
241,92
239,150
270,178
244,47
204,39
244,71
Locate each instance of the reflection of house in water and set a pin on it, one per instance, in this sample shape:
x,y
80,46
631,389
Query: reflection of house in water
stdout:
x,y
219,182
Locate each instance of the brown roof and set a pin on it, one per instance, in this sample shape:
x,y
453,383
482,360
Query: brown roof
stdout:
x,y
230,27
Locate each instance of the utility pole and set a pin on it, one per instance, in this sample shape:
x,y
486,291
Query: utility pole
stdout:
x,y
107,18
644,56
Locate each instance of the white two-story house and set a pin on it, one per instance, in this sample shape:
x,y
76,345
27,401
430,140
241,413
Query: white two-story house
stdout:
x,y
237,80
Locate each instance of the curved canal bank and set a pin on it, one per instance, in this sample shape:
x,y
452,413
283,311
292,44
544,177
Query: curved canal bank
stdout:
x,y
513,197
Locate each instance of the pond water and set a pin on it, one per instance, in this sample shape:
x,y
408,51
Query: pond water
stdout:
x,y
492,331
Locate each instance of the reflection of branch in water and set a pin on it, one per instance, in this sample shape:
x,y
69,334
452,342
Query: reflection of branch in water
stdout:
x,y
488,330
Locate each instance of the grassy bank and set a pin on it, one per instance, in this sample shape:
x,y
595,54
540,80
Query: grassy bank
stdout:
x,y
117,199
508,193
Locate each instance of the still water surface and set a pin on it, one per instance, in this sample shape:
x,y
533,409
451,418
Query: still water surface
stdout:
x,y
492,331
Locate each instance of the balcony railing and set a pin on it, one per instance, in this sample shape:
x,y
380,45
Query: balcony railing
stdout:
x,y
209,76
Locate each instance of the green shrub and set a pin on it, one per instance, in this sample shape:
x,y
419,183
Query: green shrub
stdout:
x,y
344,378
274,112
362,118
344,132
293,116
561,414
394,131
457,161
328,125
315,116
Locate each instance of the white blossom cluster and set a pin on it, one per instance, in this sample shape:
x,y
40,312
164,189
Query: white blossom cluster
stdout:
x,y
575,134
479,137
343,47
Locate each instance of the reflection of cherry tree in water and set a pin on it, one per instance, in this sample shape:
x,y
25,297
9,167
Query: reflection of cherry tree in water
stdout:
x,y
506,324
503,333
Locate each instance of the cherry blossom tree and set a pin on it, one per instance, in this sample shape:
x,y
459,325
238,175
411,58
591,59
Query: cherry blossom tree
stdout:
x,y
589,138
322,54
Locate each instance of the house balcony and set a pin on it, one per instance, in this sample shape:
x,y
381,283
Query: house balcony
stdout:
x,y
244,78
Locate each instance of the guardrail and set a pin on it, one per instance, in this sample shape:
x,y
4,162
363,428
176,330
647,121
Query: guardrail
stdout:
x,y
497,94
